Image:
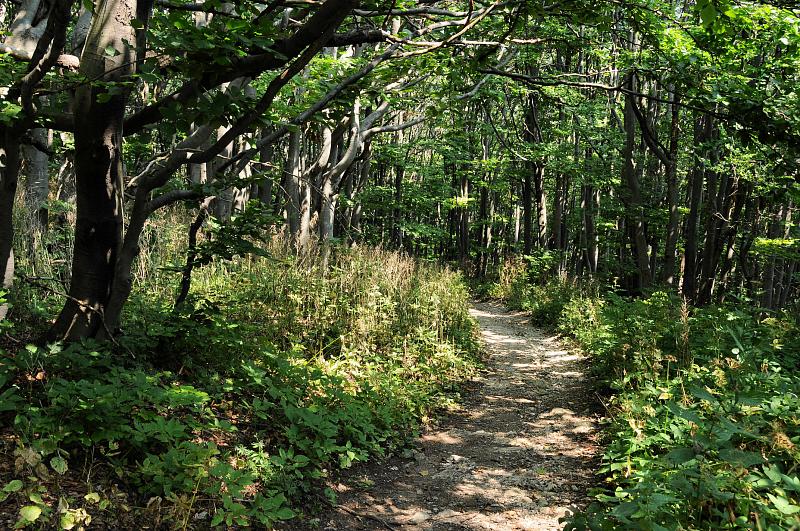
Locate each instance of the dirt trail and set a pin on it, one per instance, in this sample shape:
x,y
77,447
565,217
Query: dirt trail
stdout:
x,y
518,455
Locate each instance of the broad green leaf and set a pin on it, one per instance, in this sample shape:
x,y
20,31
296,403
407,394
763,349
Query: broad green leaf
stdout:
x,y
783,505
30,513
59,464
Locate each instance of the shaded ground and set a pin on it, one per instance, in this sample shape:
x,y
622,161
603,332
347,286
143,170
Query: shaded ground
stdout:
x,y
518,455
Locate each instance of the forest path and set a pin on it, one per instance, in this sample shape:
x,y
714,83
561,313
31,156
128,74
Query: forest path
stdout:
x,y
519,454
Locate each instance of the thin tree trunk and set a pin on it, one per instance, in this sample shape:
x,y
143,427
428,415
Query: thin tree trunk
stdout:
x,y
37,174
702,131
292,185
191,254
633,197
590,229
541,204
527,213
9,174
671,243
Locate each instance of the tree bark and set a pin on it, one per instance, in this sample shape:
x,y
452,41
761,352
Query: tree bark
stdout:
x,y
37,175
527,213
632,196
9,174
292,185
98,170
590,229
702,131
671,242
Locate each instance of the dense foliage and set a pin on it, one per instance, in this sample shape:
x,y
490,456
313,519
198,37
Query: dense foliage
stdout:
x,y
238,401
308,175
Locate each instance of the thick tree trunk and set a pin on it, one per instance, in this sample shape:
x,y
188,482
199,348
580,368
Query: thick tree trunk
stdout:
x,y
533,187
99,171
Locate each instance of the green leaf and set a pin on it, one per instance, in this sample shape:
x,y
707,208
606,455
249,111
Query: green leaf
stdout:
x,y
791,483
702,394
708,14
783,505
739,457
68,521
685,414
30,513
13,486
59,464
284,514
679,456
219,516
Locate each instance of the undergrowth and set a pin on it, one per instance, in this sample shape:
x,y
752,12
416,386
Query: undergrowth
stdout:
x,y
703,425
233,408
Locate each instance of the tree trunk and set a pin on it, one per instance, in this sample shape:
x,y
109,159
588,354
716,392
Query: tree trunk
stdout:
x,y
463,220
527,213
702,131
541,204
590,229
264,194
98,170
671,243
37,174
9,174
633,197
292,185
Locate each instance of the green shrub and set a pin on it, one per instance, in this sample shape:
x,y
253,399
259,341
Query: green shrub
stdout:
x,y
277,371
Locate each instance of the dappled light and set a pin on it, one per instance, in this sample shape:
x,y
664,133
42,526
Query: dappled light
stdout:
x,y
400,264
519,455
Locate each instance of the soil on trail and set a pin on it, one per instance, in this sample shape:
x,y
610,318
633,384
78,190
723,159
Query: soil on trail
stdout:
x,y
519,454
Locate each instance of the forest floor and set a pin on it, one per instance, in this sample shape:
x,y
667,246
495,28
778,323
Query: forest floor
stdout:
x,y
520,453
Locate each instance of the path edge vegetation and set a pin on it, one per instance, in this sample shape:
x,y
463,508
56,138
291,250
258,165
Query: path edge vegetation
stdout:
x,y
234,408
701,429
